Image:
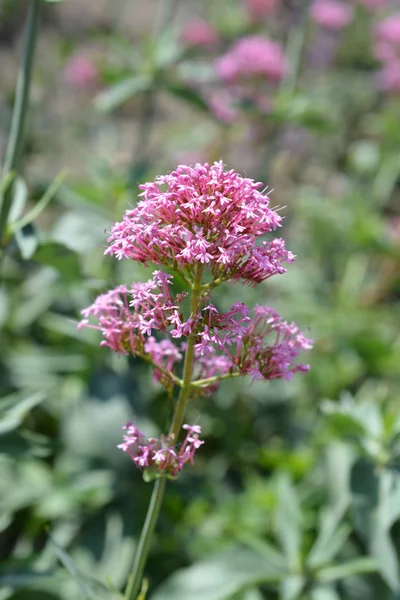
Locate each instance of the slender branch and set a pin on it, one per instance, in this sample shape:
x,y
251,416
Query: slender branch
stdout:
x,y
211,380
16,138
165,372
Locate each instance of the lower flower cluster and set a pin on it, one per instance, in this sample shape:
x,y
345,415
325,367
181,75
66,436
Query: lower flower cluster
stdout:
x,y
225,343
159,455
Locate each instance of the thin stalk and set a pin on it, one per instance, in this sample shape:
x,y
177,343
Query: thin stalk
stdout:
x,y
141,157
179,413
210,380
143,549
16,137
294,50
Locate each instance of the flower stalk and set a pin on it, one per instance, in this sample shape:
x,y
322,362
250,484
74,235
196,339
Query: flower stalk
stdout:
x,y
143,548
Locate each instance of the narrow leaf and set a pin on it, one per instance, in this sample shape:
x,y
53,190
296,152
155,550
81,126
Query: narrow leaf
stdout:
x,y
352,567
121,92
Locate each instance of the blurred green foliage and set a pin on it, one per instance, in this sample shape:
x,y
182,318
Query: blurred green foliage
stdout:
x,y
296,493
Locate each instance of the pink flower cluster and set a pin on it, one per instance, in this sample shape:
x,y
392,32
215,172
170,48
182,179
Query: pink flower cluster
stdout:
x,y
199,33
264,347
81,72
252,56
159,455
387,51
331,14
257,9
373,4
206,215
126,318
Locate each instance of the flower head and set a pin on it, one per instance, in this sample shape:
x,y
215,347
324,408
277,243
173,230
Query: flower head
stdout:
x,y
128,316
199,33
251,56
331,14
80,72
158,455
373,4
205,215
388,30
257,9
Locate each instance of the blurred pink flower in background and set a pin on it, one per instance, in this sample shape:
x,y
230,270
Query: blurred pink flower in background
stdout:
x,y
387,51
80,72
389,77
259,8
222,106
250,56
331,14
388,30
373,4
199,33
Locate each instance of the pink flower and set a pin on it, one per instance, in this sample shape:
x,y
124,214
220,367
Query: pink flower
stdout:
x,y
199,33
203,215
80,72
331,14
373,4
388,30
254,55
389,76
127,317
222,105
264,347
158,455
259,8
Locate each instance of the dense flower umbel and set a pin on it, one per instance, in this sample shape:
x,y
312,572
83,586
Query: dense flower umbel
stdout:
x,y
159,455
331,14
264,347
203,214
226,344
253,55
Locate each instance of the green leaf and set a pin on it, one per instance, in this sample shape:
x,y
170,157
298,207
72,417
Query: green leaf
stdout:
x,y
68,563
324,592
352,567
20,196
188,95
330,540
166,50
27,241
291,587
288,522
383,549
218,578
116,95
39,206
15,408
342,421
65,260
271,554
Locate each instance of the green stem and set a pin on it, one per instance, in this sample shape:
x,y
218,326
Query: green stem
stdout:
x,y
143,549
294,51
204,382
15,141
179,414
141,155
